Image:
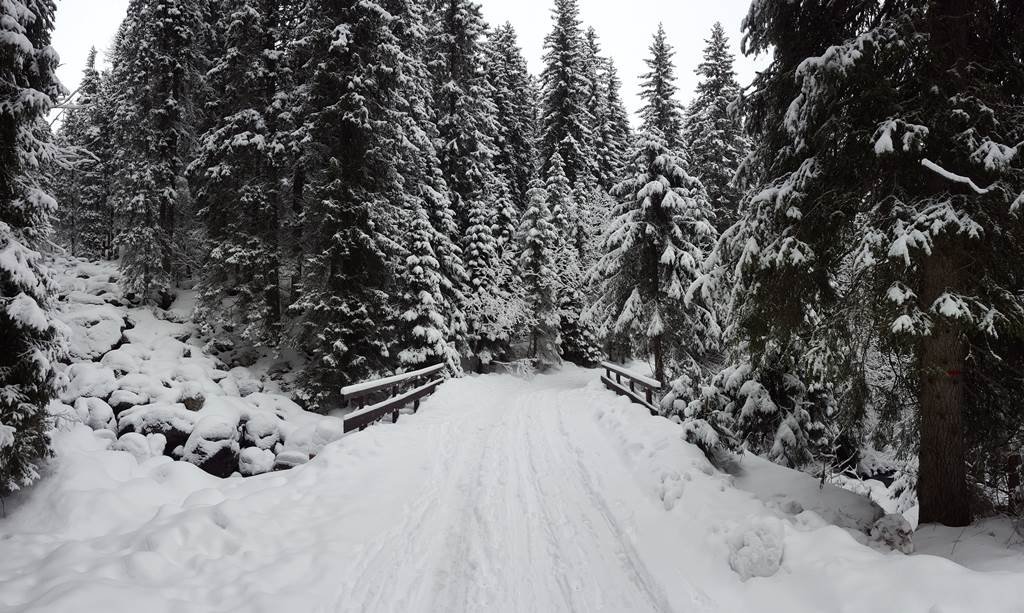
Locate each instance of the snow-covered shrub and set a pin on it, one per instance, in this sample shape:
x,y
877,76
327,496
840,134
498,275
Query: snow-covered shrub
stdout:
x,y
766,412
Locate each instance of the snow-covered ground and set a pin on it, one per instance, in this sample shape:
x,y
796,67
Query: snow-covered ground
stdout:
x,y
501,494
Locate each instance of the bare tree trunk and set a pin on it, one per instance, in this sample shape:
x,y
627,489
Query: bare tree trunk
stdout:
x,y
942,479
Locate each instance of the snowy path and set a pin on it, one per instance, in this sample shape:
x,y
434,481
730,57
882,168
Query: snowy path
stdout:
x,y
499,495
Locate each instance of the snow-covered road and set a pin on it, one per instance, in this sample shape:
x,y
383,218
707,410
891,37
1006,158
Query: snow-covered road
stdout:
x,y
501,494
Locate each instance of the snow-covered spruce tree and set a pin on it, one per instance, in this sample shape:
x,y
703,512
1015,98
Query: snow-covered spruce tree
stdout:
x,y
463,110
506,216
425,328
560,199
156,65
566,123
894,191
515,106
652,252
33,339
423,182
613,134
661,112
580,341
83,221
597,105
482,253
539,240
239,174
353,209
713,136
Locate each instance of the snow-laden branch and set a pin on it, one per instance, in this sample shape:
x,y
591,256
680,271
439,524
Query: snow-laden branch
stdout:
x,y
952,176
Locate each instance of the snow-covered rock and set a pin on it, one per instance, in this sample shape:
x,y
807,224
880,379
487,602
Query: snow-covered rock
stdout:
x,y
87,379
255,461
95,328
96,413
262,430
290,459
174,421
135,444
213,444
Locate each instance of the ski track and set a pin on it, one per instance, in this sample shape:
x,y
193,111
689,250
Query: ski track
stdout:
x,y
512,517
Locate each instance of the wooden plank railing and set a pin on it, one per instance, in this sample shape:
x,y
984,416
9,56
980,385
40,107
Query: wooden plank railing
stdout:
x,y
647,385
387,395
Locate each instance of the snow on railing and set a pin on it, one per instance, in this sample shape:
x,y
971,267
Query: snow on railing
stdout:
x,y
393,396
647,384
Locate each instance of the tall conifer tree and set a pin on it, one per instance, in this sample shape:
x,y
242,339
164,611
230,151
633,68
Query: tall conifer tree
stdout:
x,y
32,337
896,205
713,135
566,122
240,173
661,112
156,64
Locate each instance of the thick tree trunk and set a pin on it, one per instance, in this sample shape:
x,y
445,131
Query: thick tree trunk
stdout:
x,y
658,351
942,480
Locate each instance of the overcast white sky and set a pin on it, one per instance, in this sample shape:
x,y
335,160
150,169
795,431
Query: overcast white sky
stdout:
x,y
624,28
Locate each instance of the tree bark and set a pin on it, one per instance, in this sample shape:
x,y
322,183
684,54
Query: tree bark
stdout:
x,y
658,351
942,479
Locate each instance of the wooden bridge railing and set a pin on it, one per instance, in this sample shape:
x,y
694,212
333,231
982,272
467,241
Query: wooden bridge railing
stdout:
x,y
634,380
389,395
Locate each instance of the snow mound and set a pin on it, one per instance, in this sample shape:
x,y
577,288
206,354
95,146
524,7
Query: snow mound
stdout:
x,y
756,548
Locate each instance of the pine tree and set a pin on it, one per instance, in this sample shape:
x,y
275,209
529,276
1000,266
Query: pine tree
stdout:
x,y
713,135
515,105
240,170
566,121
652,252
156,65
895,204
661,112
538,239
32,337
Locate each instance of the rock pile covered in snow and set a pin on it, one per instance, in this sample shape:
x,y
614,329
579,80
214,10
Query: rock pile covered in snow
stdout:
x,y
139,378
